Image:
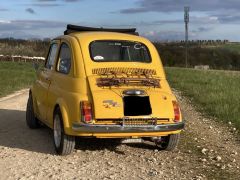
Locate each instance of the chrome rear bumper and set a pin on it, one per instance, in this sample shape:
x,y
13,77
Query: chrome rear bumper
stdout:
x,y
92,128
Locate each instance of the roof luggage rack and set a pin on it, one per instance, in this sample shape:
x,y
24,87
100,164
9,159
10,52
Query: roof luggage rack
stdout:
x,y
73,28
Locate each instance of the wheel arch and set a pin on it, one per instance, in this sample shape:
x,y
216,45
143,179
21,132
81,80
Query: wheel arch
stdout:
x,y
61,105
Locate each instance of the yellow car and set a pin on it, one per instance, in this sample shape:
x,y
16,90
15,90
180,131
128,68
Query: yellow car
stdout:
x,y
104,83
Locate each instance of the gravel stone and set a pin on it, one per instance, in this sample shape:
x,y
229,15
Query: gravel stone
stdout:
x,y
218,158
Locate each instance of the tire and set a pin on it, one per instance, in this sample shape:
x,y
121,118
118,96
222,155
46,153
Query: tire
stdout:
x,y
168,143
63,143
32,121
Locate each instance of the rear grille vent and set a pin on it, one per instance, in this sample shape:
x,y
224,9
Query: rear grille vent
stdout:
x,y
131,71
139,122
133,122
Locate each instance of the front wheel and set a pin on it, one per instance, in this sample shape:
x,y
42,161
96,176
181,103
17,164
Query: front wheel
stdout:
x,y
31,120
168,143
64,144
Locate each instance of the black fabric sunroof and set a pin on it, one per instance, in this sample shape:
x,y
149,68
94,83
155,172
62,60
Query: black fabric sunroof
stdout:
x,y
74,28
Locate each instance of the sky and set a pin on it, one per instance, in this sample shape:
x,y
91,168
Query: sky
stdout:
x,y
157,20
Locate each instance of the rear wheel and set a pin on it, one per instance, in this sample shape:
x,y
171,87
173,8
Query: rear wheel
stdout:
x,y
64,144
168,143
31,120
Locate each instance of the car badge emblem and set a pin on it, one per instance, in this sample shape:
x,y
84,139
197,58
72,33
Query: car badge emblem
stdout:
x,y
110,103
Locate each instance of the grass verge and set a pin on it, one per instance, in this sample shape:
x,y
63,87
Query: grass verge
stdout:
x,y
216,93
15,76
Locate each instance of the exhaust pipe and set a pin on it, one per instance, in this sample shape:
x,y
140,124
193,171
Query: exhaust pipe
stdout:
x,y
134,140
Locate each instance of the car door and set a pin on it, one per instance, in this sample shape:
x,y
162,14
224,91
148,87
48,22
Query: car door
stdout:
x,y
44,80
60,87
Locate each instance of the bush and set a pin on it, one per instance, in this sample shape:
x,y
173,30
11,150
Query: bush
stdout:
x,y
218,57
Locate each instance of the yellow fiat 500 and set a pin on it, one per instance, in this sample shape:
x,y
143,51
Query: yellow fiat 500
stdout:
x,y
104,83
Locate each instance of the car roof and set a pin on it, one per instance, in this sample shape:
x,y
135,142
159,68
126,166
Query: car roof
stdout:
x,y
98,35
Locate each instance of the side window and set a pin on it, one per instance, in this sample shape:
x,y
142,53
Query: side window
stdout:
x,y
64,61
51,56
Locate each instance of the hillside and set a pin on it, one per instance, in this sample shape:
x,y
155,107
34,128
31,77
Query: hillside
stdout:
x,y
218,55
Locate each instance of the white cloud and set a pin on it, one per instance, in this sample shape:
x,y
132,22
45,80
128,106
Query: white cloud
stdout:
x,y
31,28
177,5
5,22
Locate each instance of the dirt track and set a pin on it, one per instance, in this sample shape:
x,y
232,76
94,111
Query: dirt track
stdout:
x,y
207,150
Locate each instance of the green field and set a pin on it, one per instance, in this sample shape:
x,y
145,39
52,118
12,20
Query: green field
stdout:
x,y
15,76
216,93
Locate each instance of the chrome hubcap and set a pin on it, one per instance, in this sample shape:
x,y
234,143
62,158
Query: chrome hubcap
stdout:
x,y
57,131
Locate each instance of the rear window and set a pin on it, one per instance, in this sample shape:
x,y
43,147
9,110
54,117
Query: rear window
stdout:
x,y
119,51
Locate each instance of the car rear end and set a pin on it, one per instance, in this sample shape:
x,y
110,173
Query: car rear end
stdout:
x,y
129,96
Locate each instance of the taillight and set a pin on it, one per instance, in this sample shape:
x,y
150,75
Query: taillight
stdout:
x,y
177,113
86,111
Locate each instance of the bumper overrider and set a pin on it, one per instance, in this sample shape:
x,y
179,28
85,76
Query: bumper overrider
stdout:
x,y
93,128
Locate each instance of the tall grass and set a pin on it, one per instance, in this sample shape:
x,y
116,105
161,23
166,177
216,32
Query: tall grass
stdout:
x,y
23,47
15,76
217,93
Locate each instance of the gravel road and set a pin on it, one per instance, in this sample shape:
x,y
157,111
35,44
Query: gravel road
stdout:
x,y
207,150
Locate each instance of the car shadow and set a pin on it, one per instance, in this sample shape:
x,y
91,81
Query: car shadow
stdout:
x,y
145,145
14,133
95,144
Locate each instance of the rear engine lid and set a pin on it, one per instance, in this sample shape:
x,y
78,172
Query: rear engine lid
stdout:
x,y
111,103
109,84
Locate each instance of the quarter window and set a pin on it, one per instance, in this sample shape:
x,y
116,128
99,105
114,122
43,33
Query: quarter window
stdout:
x,y
51,56
64,62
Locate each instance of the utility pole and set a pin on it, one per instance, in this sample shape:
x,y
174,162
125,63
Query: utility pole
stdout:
x,y
186,20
